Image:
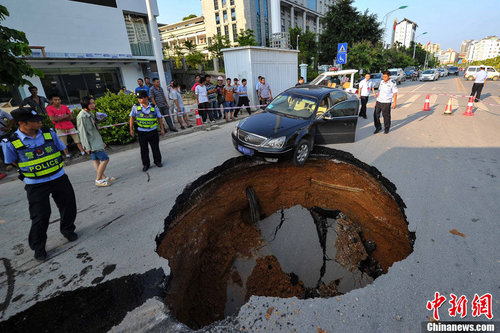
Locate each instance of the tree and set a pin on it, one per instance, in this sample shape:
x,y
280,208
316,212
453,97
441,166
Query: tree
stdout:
x,y
13,46
343,23
307,44
194,59
246,38
189,46
188,17
218,43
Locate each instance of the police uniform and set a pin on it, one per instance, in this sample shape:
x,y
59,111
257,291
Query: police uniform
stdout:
x,y
40,166
383,105
147,122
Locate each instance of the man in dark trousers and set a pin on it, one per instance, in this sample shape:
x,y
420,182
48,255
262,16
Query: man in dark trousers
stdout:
x,y
364,89
148,117
479,83
388,92
37,154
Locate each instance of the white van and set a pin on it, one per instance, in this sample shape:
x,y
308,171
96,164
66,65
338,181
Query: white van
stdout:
x,y
397,75
472,70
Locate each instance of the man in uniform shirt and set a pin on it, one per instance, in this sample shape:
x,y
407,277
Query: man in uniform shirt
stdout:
x,y
37,154
365,86
147,117
479,82
388,92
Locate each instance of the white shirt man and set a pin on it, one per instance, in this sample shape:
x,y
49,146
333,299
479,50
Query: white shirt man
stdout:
x,y
479,82
388,92
365,86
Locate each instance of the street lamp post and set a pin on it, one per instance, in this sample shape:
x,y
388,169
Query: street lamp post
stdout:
x,y
415,43
298,41
386,16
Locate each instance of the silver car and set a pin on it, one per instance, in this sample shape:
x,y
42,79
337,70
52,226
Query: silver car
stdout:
x,y
376,78
430,75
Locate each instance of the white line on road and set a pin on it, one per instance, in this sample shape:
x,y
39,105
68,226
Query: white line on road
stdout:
x,y
434,88
432,100
410,101
420,85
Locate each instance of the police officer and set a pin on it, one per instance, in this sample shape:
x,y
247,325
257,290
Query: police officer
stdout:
x,y
37,154
388,92
148,118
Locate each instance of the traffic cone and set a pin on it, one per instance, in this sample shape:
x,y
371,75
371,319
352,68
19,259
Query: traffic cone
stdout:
x,y
470,105
198,118
426,104
448,109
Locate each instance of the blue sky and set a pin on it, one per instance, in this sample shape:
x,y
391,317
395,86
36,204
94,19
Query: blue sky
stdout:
x,y
447,22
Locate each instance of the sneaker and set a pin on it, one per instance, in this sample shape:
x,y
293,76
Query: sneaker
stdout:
x,y
213,121
173,130
82,152
110,179
41,255
71,237
189,126
182,127
68,155
102,182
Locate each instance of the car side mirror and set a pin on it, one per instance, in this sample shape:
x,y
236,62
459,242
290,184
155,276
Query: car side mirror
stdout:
x,y
327,116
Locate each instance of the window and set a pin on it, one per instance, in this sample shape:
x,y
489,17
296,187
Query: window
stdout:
x,y
233,14
138,35
108,3
217,18
337,96
224,16
218,31
231,2
347,108
235,32
216,4
223,3
226,30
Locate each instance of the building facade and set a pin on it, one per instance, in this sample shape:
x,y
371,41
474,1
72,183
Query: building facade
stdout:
x,y
465,46
404,32
84,47
485,48
450,56
432,48
177,34
264,17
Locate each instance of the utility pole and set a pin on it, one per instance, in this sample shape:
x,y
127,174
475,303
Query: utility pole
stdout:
x,y
155,35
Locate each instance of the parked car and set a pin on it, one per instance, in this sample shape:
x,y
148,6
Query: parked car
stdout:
x,y
397,74
453,71
296,120
409,71
430,75
443,72
376,78
337,79
472,70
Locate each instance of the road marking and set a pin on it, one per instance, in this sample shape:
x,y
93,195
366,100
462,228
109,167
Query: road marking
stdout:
x,y
497,99
410,101
420,85
434,88
463,87
482,106
432,100
456,83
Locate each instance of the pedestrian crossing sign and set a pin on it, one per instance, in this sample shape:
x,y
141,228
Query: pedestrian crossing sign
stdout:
x,y
342,48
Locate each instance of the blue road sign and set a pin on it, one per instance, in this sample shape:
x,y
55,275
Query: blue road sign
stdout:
x,y
342,48
341,58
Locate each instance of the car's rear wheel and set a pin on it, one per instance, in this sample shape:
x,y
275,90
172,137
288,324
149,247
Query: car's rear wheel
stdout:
x,y
301,152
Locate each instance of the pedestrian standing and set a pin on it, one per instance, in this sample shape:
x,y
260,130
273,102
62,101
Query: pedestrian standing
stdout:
x,y
228,91
212,98
364,89
265,94
480,79
147,117
220,96
160,101
388,92
196,83
301,81
37,154
243,97
6,124
62,118
236,84
202,99
147,82
141,86
181,110
257,89
92,141
39,103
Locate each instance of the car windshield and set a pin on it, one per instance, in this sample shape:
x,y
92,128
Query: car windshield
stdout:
x,y
393,73
441,70
429,71
377,76
453,68
293,105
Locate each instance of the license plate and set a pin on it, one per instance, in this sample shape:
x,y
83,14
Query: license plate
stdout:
x,y
245,150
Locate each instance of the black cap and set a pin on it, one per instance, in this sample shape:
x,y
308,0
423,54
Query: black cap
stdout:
x,y
142,94
26,114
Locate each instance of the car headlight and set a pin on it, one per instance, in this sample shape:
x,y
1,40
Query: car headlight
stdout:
x,y
275,143
235,130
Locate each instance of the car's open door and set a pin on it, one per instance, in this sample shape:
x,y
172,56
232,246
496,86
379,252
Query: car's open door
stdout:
x,y
338,125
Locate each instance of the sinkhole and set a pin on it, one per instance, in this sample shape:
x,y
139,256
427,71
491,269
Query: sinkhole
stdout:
x,y
272,229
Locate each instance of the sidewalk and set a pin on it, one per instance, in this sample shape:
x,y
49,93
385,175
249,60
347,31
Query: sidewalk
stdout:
x,y
77,158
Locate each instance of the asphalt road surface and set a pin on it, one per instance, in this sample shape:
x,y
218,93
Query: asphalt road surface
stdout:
x,y
446,168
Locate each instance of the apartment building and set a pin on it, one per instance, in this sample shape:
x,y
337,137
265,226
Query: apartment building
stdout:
x,y
404,32
177,34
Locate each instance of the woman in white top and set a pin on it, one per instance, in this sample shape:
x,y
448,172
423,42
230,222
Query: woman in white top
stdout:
x,y
202,99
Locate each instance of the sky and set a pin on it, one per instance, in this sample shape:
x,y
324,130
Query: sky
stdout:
x,y
446,22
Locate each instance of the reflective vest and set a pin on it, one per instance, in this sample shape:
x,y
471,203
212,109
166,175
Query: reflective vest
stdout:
x,y
146,120
38,162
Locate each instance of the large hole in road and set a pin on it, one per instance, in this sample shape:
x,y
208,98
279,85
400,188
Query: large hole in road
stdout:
x,y
255,228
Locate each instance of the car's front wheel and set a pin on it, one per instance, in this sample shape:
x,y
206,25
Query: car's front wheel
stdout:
x,y
301,152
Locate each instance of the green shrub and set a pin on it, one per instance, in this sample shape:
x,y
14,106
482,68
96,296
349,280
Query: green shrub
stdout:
x,y
117,107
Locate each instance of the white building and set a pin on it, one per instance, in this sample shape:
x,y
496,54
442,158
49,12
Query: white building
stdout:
x,y
84,47
486,48
404,32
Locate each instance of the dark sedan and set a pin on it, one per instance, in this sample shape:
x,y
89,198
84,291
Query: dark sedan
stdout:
x,y
453,71
296,120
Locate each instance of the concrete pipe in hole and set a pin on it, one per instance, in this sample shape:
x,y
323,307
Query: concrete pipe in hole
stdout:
x,y
272,229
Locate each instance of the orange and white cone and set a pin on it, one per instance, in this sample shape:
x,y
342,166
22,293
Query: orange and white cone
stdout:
x,y
198,118
449,108
470,105
427,106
